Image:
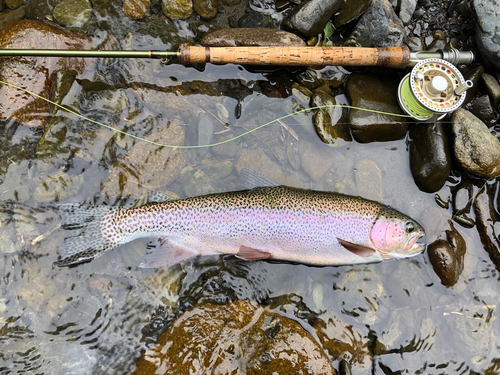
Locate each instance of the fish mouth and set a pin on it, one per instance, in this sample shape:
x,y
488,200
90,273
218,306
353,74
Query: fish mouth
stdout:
x,y
415,245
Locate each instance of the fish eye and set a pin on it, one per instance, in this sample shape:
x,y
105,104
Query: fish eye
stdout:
x,y
409,227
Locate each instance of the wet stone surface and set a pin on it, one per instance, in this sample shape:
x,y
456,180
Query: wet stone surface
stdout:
x,y
310,17
377,93
378,27
34,73
430,155
476,149
447,256
238,337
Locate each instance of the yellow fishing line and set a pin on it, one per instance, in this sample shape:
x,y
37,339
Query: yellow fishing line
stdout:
x,y
198,146
412,102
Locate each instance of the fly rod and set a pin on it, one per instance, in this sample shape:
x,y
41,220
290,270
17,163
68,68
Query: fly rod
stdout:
x,y
391,57
433,89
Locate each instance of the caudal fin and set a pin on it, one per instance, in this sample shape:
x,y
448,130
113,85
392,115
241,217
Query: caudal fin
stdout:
x,y
88,232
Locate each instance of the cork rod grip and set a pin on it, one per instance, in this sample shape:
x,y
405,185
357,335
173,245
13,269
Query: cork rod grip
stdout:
x,y
392,57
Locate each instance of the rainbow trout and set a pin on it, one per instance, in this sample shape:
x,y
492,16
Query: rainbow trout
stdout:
x,y
284,223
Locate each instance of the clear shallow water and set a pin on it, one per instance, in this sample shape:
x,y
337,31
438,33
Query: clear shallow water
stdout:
x,y
95,318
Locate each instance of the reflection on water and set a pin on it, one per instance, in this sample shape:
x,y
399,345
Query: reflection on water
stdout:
x,y
100,317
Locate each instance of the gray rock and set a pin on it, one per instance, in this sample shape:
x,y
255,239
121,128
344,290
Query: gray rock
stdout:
x,y
206,126
251,37
315,160
311,17
407,9
493,89
481,108
177,9
415,43
487,29
476,149
378,27
75,13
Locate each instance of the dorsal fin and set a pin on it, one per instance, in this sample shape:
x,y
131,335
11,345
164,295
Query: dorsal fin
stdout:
x,y
252,180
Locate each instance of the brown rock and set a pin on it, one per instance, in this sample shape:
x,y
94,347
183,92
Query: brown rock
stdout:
x,y
238,338
34,73
136,9
447,256
485,222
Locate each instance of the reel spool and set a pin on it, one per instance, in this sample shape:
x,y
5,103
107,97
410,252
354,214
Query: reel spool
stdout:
x,y
432,89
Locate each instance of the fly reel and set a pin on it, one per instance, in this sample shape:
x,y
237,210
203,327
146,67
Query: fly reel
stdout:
x,y
432,89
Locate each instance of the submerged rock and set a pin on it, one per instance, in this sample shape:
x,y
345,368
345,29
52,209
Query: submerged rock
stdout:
x,y
311,17
259,162
147,167
177,9
447,256
74,13
476,149
57,187
35,73
315,160
379,94
206,9
430,156
369,180
331,123
240,337
487,30
378,27
251,37
207,179
486,221
136,9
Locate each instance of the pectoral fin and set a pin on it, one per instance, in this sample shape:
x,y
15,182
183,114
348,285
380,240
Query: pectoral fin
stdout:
x,y
359,250
249,253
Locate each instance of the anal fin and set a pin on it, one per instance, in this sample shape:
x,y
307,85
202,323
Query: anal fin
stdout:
x,y
249,253
166,254
359,250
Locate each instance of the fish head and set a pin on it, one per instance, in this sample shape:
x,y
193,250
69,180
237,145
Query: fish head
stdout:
x,y
395,235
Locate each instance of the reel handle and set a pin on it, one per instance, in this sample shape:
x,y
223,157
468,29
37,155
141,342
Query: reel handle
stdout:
x,y
391,57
